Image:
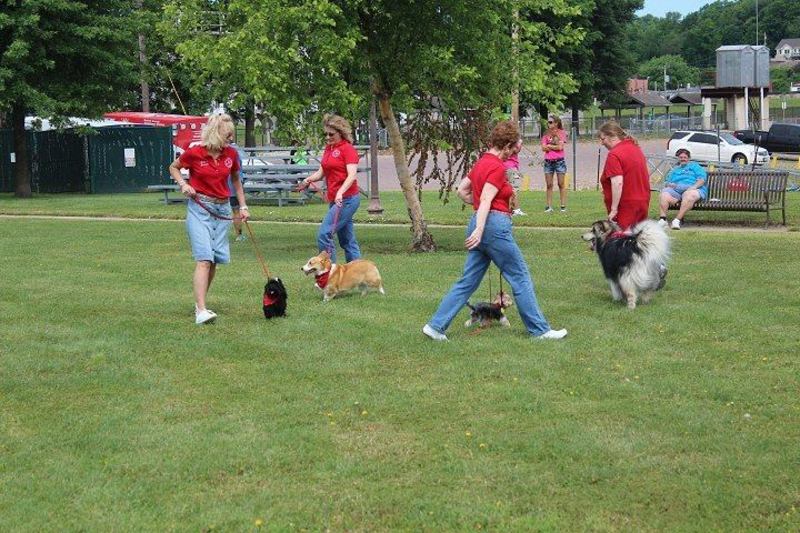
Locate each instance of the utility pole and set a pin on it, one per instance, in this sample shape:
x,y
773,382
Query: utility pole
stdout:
x,y
756,41
145,88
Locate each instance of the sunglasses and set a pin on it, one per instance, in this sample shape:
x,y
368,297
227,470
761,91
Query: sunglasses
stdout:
x,y
331,133
550,122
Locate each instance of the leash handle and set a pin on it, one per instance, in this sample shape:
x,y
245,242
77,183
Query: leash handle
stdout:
x,y
258,253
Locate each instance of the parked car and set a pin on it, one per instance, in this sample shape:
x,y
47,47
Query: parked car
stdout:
x,y
706,146
779,138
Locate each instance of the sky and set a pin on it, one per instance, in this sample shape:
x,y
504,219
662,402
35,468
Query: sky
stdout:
x,y
659,8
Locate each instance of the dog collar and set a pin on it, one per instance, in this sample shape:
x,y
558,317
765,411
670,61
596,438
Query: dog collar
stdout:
x,y
268,300
322,279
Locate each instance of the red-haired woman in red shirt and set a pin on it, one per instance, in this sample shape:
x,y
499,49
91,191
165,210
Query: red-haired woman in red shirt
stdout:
x,y
339,166
490,240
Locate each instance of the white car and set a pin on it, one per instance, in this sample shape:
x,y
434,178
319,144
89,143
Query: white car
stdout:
x,y
706,146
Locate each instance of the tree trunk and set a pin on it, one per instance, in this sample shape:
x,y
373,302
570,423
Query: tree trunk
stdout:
x,y
422,240
22,172
250,123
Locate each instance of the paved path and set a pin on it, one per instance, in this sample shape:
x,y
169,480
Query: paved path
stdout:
x,y
531,165
693,227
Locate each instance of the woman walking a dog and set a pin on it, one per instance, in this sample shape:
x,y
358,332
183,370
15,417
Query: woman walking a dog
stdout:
x,y
625,179
208,211
338,168
490,239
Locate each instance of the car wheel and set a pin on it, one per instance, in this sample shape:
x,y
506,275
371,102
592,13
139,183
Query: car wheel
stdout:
x,y
739,159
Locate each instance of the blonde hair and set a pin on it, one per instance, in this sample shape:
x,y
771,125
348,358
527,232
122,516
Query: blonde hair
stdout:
x,y
612,129
339,124
216,131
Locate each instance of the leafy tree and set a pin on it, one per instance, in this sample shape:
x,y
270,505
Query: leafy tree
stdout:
x,y
651,36
679,72
783,77
601,61
61,57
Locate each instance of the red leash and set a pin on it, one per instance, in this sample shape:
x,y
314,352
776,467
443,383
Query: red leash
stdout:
x,y
261,260
210,212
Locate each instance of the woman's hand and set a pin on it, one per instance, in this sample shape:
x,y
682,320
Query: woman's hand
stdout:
x,y
339,198
244,213
474,239
612,215
187,190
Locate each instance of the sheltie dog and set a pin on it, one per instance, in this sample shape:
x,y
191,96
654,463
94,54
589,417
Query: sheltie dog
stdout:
x,y
635,263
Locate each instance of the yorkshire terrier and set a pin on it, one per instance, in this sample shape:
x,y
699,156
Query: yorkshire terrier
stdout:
x,y
487,313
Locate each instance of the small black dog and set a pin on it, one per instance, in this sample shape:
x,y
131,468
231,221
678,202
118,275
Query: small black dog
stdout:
x,y
485,313
274,298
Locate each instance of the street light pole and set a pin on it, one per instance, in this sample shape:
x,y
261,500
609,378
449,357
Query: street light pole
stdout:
x,y
374,198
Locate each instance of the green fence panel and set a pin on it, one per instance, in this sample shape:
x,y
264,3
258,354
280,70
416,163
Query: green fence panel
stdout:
x,y
58,163
128,159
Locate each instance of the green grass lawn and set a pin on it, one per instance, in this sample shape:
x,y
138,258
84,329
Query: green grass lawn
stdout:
x,y
117,413
584,208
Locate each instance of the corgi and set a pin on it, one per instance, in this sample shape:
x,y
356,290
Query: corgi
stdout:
x,y
334,279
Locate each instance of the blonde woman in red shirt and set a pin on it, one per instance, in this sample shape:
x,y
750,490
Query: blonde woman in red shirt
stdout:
x,y
208,211
338,168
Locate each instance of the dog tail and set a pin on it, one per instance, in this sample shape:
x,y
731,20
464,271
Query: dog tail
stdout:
x,y
470,306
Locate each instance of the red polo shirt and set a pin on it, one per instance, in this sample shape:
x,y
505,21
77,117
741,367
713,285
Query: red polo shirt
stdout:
x,y
334,166
490,169
627,160
207,175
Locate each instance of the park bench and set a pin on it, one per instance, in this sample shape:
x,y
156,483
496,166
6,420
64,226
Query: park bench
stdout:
x,y
745,190
283,191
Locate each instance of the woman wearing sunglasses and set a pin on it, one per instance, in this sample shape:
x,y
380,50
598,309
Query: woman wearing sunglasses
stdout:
x,y
553,142
338,168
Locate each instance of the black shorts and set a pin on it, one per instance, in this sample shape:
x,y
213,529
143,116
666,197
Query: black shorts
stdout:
x,y
234,202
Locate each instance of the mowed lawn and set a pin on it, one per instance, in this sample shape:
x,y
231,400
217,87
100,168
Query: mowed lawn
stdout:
x,y
117,413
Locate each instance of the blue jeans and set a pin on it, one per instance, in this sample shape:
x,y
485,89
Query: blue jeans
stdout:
x,y
344,229
497,246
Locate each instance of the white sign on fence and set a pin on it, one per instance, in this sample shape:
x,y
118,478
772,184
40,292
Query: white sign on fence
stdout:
x,y
130,157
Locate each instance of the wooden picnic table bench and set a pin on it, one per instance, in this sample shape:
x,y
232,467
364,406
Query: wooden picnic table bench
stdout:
x,y
263,189
745,190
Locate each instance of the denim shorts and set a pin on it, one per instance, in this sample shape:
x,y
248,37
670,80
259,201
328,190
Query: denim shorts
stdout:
x,y
209,235
678,193
558,166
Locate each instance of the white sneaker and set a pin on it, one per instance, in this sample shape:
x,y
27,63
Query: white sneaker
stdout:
x,y
548,209
206,316
518,212
663,222
676,224
241,237
433,334
553,334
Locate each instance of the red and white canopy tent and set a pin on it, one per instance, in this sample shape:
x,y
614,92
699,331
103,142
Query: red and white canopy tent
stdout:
x,y
185,128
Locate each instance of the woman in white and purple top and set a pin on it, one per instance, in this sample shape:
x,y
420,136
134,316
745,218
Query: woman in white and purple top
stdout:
x,y
514,177
553,142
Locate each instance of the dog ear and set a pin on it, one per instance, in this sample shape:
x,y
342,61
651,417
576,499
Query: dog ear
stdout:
x,y
324,254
